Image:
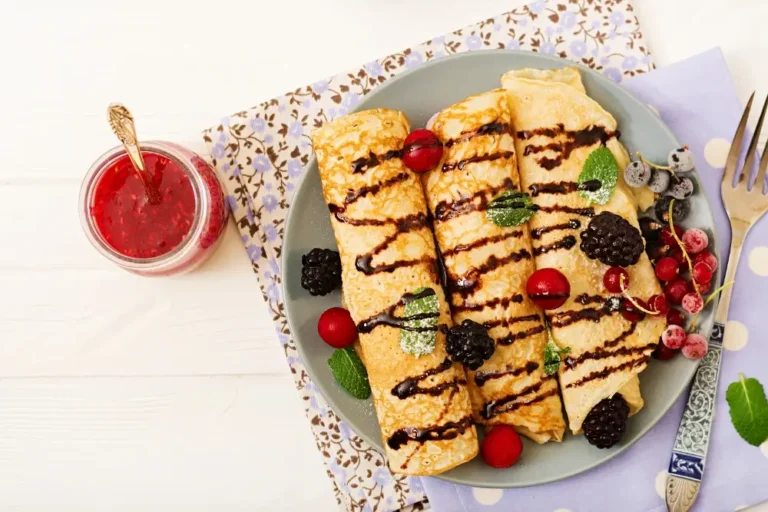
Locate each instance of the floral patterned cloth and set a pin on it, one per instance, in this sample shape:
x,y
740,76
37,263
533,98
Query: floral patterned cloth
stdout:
x,y
261,152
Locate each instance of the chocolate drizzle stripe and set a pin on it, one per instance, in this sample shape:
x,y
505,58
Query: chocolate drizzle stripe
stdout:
x,y
479,306
354,195
567,318
387,317
482,377
446,210
566,243
364,262
465,284
410,386
450,166
537,233
364,163
517,336
482,242
449,430
574,139
436,390
492,128
602,353
585,299
621,337
509,403
607,371
584,212
512,320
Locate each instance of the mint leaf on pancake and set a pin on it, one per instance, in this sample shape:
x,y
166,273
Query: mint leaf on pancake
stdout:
x,y
553,354
350,373
418,332
510,208
599,176
749,409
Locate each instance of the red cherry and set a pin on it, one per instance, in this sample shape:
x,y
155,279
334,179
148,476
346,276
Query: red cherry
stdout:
x,y
668,239
630,312
612,279
675,317
707,258
501,447
548,288
663,352
702,273
667,268
422,151
337,328
659,304
676,290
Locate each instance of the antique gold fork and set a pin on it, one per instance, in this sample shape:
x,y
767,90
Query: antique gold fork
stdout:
x,y
745,203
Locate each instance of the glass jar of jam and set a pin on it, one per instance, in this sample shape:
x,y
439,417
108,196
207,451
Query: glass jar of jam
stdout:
x,y
170,235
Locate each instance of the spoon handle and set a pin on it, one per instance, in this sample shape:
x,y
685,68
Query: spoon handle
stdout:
x,y
121,121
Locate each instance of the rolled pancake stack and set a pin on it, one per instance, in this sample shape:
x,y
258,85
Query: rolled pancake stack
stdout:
x,y
379,217
488,265
556,127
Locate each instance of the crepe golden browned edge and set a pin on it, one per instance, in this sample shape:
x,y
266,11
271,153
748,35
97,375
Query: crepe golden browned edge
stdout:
x,y
511,387
556,100
393,193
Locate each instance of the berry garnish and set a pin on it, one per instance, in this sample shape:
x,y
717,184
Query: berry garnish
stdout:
x,y
695,240
501,447
637,174
680,209
422,151
673,337
630,311
320,271
692,303
695,346
616,279
663,352
605,424
702,273
704,287
676,290
658,304
681,159
650,229
469,344
548,288
612,240
681,188
678,256
675,317
708,258
659,181
667,237
667,268
337,328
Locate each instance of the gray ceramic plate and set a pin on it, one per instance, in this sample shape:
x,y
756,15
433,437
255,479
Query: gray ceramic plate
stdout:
x,y
420,93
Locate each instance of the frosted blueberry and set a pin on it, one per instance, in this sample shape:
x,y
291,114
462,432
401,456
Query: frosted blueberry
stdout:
x,y
680,210
681,188
637,174
680,160
659,182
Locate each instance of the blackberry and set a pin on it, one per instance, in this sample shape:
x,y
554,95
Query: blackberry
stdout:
x,y
612,240
469,344
320,271
606,422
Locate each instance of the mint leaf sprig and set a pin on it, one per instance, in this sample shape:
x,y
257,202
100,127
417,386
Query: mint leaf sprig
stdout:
x,y
510,208
601,168
749,409
349,371
418,336
553,354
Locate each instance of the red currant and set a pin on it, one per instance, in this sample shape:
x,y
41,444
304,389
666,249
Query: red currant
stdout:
x,y
548,288
695,240
695,346
702,273
630,312
337,328
613,281
692,303
422,151
667,268
663,352
678,256
659,304
675,317
501,447
673,337
676,290
705,287
708,258
667,238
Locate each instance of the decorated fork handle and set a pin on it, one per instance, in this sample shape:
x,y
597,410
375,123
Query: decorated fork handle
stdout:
x,y
689,454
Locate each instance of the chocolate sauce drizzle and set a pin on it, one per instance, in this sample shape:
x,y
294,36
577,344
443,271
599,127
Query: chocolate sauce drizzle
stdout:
x,y
584,212
567,243
466,284
566,318
449,430
505,322
364,262
364,163
410,386
484,376
479,306
354,195
574,139
608,370
602,353
509,404
450,166
517,336
563,187
446,210
387,317
482,242
537,233
492,128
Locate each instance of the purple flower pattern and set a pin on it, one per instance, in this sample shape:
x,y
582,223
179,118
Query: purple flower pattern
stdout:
x,y
270,159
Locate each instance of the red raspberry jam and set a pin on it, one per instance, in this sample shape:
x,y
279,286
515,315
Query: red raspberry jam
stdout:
x,y
132,225
165,237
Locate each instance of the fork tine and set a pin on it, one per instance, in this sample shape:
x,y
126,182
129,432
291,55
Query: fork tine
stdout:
x,y
733,155
749,162
760,179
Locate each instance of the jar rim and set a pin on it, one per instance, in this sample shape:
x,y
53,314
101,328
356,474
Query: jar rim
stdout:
x,y
88,188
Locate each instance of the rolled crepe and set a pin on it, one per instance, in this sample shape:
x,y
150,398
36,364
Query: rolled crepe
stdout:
x,y
557,126
379,217
488,266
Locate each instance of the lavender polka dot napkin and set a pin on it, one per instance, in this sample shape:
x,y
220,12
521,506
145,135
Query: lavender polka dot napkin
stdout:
x,y
698,102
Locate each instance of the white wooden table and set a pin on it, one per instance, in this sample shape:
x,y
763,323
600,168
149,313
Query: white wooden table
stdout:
x,y
126,393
